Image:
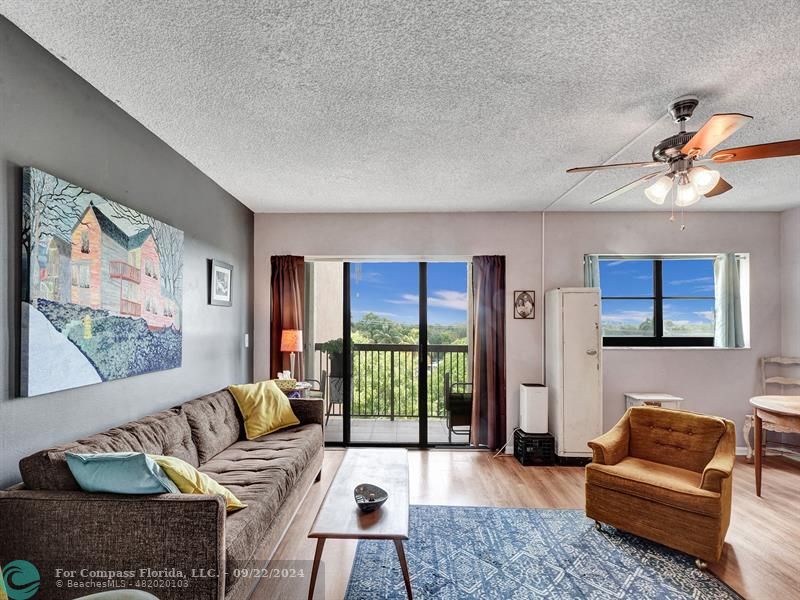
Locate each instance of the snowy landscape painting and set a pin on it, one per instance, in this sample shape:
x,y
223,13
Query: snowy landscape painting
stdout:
x,y
102,288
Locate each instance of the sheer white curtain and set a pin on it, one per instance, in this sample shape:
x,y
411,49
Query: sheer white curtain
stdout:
x,y
728,328
591,270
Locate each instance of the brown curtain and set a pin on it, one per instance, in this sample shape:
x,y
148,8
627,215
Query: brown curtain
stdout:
x,y
288,283
488,352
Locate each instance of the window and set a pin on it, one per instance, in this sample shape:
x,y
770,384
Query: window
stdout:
x,y
657,301
84,275
85,242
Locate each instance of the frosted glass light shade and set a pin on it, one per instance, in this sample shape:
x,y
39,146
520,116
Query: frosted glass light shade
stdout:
x,y
657,192
703,179
686,194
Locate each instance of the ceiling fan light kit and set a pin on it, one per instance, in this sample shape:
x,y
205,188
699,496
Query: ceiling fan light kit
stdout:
x,y
686,194
679,153
657,192
703,179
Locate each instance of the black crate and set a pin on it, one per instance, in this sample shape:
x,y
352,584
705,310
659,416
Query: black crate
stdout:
x,y
534,448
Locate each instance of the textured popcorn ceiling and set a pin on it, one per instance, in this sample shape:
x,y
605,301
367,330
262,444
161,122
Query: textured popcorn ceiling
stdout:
x,y
435,106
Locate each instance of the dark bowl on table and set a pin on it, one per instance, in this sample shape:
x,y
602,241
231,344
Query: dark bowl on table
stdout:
x,y
369,497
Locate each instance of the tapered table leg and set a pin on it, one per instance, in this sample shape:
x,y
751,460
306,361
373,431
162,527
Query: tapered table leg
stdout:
x,y
758,449
315,568
403,565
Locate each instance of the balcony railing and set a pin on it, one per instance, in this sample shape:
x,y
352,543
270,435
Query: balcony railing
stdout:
x,y
126,307
386,381
118,269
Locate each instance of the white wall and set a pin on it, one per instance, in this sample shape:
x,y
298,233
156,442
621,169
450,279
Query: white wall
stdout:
x,y
515,235
790,278
712,381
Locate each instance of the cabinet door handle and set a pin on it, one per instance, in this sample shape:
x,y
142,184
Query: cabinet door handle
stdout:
x,y
591,352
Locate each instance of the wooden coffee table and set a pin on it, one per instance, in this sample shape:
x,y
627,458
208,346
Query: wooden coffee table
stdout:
x,y
783,411
340,518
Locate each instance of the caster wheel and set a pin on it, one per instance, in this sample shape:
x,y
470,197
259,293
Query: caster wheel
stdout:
x,y
598,526
700,564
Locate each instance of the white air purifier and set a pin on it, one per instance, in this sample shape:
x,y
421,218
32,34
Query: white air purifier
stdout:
x,y
533,408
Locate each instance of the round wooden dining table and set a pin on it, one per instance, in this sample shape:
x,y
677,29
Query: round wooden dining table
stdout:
x,y
780,410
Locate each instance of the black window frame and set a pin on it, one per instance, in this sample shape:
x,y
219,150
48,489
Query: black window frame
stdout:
x,y
657,340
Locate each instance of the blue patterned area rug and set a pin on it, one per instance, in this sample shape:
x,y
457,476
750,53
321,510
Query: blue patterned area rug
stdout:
x,y
459,553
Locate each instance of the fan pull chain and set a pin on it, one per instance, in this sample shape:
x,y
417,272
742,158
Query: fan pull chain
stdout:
x,y
672,205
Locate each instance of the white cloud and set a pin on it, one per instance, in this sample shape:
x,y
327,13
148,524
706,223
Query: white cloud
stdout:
x,y
406,299
636,316
450,299
693,280
708,315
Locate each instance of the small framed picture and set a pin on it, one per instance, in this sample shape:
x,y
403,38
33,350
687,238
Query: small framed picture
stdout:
x,y
524,304
220,282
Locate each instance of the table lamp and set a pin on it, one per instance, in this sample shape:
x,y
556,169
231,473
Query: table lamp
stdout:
x,y
291,341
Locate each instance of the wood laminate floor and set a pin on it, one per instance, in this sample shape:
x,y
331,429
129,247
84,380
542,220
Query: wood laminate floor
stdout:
x,y
761,557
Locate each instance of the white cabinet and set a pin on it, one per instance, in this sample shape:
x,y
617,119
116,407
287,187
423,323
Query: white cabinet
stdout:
x,y
574,368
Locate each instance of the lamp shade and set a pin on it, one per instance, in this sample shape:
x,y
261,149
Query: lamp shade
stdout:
x,y
291,340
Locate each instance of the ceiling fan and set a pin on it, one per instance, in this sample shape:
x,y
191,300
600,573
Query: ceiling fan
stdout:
x,y
681,158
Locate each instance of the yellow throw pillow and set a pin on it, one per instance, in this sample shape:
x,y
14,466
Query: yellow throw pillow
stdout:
x,y
264,408
191,481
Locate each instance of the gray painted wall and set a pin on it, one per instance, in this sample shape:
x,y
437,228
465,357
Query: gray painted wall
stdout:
x,y
52,119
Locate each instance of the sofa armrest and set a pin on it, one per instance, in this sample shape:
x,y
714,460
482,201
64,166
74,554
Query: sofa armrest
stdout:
x,y
309,410
720,466
612,446
141,535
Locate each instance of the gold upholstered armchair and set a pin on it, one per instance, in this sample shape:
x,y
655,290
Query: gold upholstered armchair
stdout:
x,y
665,475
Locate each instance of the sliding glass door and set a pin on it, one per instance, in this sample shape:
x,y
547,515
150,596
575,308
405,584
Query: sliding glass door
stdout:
x,y
449,383
388,343
386,362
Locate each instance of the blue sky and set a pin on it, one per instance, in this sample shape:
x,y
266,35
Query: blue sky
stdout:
x,y
690,278
392,290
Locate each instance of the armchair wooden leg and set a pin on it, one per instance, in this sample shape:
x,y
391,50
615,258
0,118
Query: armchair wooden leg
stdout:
x,y
598,525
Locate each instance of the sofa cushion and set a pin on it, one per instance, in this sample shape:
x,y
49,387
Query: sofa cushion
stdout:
x,y
673,437
166,432
260,473
215,422
672,486
191,481
119,473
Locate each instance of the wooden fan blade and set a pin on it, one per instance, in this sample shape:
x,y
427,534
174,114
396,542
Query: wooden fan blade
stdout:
x,y
615,166
773,150
715,131
626,188
721,187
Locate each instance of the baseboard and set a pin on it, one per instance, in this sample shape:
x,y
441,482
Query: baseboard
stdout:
x,y
773,450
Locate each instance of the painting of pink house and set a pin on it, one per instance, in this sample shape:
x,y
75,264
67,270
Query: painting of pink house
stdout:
x,y
102,288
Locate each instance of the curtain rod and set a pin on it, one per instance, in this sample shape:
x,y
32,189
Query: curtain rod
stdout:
x,y
393,258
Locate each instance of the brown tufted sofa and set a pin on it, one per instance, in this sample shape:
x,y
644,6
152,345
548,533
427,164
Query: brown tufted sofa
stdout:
x,y
48,521
665,475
